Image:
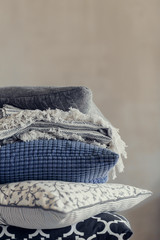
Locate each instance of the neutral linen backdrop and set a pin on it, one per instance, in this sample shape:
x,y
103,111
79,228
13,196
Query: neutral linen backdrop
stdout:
x,y
113,47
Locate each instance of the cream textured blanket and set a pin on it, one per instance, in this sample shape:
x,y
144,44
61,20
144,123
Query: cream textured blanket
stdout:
x,y
17,124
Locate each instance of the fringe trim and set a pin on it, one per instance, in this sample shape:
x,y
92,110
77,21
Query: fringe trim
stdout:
x,y
53,134
23,117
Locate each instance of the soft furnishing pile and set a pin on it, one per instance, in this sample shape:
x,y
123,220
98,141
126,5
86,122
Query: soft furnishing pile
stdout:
x,y
56,152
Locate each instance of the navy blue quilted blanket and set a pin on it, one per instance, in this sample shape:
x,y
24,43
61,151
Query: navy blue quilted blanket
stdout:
x,y
62,160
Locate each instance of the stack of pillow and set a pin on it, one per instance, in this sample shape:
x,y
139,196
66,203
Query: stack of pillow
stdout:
x,y
56,152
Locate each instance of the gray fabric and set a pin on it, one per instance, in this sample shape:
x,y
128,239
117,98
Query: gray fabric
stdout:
x,y
50,97
88,133
1,113
47,97
85,131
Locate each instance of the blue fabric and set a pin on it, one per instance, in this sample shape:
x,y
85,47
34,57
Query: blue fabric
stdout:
x,y
103,226
62,160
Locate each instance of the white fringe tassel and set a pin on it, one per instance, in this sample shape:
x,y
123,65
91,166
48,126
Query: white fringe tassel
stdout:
x,y
21,117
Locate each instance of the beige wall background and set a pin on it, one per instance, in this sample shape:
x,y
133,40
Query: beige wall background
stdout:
x,y
113,47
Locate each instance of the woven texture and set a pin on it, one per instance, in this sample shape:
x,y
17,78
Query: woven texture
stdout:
x,y
62,160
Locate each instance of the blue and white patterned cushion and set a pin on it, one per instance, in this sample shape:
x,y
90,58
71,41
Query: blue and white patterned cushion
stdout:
x,y
62,160
56,204
103,226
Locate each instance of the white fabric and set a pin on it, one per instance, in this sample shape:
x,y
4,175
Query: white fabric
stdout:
x,y
18,117
55,204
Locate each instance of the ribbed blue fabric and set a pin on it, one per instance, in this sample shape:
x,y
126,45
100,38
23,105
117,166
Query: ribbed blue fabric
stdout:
x,y
62,160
